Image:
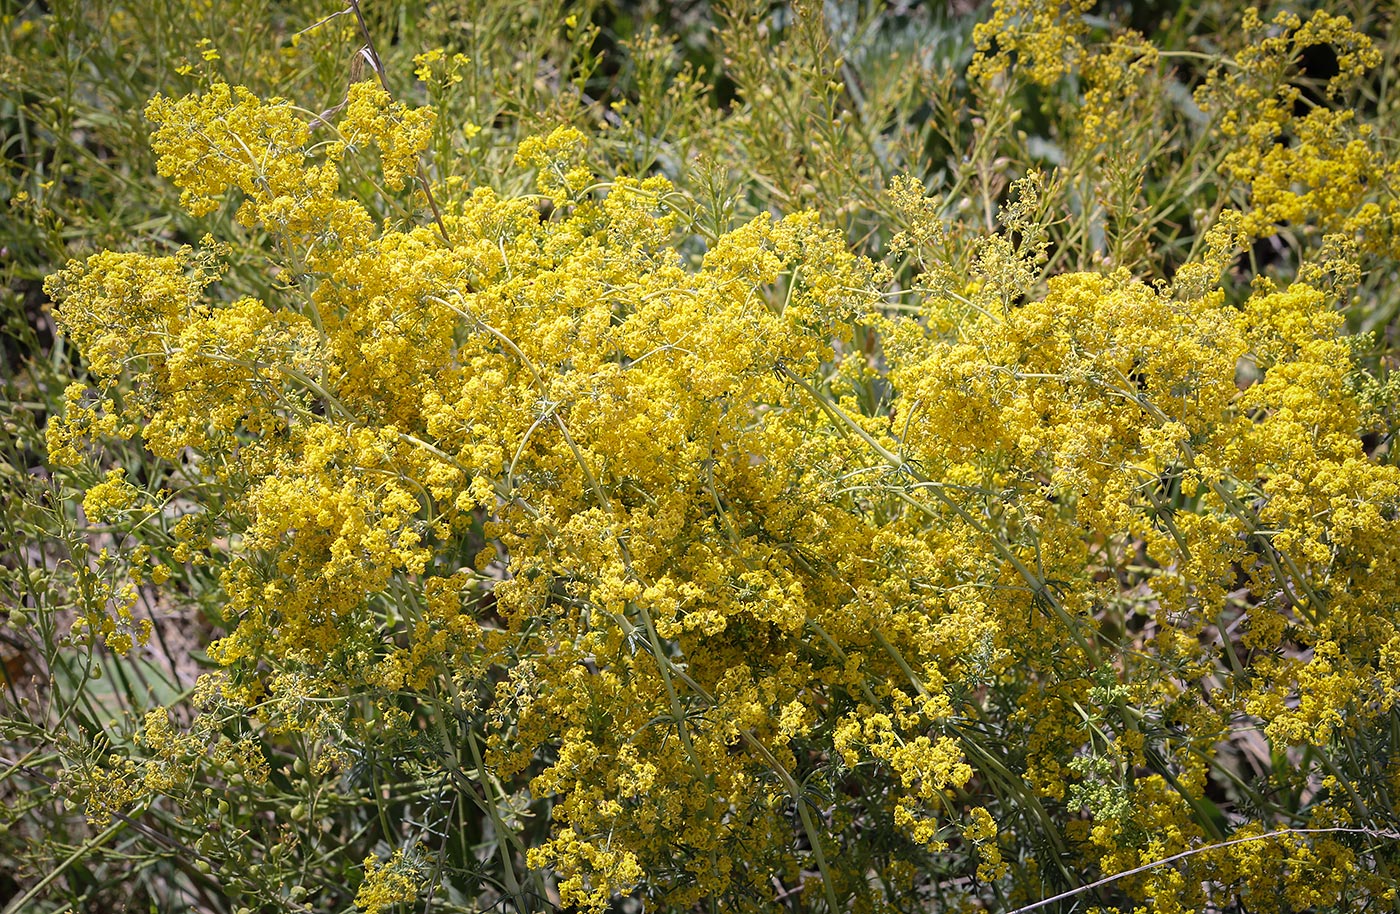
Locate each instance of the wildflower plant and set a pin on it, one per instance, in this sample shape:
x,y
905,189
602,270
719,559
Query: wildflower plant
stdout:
x,y
875,531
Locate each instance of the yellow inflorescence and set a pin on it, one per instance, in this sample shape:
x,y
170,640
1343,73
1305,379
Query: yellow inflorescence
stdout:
x,y
628,506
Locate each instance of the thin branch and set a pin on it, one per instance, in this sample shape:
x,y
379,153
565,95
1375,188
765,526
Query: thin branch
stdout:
x,y
377,63
1394,836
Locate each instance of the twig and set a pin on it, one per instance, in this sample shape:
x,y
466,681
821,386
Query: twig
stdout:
x,y
1394,836
377,63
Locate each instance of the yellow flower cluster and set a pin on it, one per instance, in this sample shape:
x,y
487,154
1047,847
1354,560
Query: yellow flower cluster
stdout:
x,y
387,884
400,133
1118,73
1319,171
1038,37
635,517
109,497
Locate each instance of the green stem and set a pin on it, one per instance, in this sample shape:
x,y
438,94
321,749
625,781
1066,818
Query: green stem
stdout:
x,y
17,905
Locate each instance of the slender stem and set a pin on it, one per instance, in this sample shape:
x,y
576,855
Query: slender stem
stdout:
x,y
1393,836
87,847
372,55
503,836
